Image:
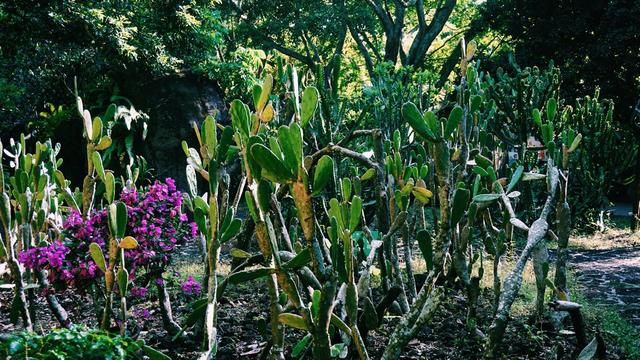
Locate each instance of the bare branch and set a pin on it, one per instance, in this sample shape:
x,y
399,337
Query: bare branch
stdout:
x,y
363,50
425,37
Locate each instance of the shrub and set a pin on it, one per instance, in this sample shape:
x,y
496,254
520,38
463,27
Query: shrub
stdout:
x,y
155,220
74,343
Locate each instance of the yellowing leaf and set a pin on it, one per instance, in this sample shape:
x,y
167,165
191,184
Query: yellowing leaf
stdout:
x,y
267,114
423,195
128,243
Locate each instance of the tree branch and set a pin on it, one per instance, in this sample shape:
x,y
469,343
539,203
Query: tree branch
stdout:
x,y
425,37
363,50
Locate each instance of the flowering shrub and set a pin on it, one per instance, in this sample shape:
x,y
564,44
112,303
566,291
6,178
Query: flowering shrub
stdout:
x,y
191,287
138,291
155,220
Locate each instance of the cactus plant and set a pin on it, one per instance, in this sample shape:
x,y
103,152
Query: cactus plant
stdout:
x,y
215,217
118,242
30,218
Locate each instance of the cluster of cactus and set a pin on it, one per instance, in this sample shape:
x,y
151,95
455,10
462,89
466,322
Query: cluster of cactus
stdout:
x,y
213,213
336,272
468,162
30,216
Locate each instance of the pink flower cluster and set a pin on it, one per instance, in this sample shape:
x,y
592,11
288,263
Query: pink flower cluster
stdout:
x,y
191,287
155,220
139,292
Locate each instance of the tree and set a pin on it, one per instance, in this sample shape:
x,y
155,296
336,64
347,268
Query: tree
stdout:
x,y
315,32
105,44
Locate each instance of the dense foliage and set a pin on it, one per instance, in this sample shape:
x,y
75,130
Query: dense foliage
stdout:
x,y
77,342
378,157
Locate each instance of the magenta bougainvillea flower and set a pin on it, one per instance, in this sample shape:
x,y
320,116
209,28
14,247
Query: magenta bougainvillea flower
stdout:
x,y
191,287
155,220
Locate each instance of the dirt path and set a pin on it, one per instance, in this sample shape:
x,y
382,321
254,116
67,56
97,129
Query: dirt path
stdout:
x,y
610,273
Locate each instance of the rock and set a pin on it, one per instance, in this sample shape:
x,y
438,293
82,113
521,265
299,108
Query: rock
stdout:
x,y
173,103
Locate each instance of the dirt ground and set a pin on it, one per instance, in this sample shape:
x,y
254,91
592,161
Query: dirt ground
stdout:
x,y
243,315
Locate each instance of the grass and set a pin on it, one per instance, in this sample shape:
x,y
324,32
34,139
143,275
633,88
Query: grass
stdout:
x,y
609,239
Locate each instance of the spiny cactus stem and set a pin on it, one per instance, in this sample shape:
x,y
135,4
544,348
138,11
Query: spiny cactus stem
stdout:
x,y
513,281
303,201
15,268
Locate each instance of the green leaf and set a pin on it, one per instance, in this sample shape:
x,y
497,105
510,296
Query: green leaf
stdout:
x,y
123,280
315,303
200,203
356,213
369,174
292,320
460,202
575,143
432,122
455,117
97,164
239,253
589,351
290,139
515,178
426,247
486,198
110,186
210,135
248,275
97,128
223,146
300,346
323,173
300,260
5,210
552,107
255,92
97,256
480,171
335,210
337,322
185,148
104,143
346,188
413,116
240,117
121,219
253,210
536,117
264,195
231,231
310,97
547,133
272,167
483,162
